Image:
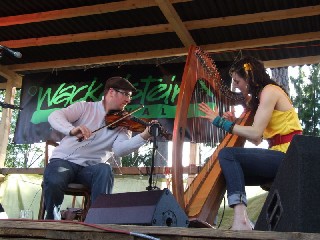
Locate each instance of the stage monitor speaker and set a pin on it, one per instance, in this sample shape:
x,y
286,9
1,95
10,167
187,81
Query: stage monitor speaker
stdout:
x,y
292,204
149,208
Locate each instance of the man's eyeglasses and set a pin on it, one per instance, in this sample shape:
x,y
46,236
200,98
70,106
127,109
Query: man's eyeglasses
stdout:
x,y
127,94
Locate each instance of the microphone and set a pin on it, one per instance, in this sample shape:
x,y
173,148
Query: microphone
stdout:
x,y
7,105
13,53
154,129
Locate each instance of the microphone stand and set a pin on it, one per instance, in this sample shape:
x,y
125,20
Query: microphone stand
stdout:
x,y
154,130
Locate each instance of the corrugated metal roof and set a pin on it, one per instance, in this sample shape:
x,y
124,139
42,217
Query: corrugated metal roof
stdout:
x,y
127,22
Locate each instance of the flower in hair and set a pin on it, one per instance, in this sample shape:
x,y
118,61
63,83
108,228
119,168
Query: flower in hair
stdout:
x,y
247,67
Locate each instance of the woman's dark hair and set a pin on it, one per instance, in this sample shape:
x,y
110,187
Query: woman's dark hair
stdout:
x,y
254,72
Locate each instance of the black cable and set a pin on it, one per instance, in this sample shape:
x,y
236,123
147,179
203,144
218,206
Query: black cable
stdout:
x,y
224,208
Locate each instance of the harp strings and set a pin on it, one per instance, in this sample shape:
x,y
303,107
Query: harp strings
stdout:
x,y
211,70
210,89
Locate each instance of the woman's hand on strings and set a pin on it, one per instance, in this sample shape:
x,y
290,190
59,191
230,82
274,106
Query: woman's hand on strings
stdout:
x,y
81,132
210,114
229,116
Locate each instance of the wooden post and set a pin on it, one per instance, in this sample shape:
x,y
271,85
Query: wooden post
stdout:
x,y
13,81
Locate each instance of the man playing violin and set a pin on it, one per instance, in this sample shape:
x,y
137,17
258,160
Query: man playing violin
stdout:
x,y
85,161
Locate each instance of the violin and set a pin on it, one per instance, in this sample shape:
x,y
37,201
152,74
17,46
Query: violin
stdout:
x,y
125,119
134,124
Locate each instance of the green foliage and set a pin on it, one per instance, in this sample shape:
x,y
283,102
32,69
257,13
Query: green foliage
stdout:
x,y
137,159
307,99
23,155
20,155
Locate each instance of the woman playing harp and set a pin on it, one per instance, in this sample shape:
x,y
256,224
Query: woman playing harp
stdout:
x,y
275,120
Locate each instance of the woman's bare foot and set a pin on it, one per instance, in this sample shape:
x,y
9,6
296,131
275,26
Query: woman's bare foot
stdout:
x,y
240,218
241,226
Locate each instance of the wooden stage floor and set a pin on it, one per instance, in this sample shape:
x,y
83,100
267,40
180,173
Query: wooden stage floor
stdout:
x,y
15,229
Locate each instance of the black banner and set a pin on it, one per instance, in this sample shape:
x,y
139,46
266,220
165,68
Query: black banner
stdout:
x,y
43,93
158,89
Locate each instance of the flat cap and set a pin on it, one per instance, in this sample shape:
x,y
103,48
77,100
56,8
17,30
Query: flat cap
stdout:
x,y
119,83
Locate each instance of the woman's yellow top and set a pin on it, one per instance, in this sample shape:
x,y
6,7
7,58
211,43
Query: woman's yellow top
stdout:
x,y
282,123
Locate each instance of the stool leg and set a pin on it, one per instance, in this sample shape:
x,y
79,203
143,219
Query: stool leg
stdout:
x,y
86,205
74,201
42,206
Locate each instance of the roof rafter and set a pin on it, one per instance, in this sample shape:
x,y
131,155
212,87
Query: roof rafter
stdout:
x,y
79,11
211,48
254,17
173,18
162,28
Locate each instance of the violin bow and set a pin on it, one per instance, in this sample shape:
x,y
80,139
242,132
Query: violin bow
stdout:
x,y
118,120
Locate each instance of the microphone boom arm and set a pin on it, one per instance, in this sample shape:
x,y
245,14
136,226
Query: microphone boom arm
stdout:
x,y
7,105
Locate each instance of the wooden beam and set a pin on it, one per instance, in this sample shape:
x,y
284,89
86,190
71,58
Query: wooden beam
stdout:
x,y
9,74
292,62
79,12
88,36
162,28
100,59
262,42
7,171
3,85
211,48
174,19
254,17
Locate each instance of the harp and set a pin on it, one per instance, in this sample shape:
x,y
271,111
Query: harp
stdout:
x,y
202,199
